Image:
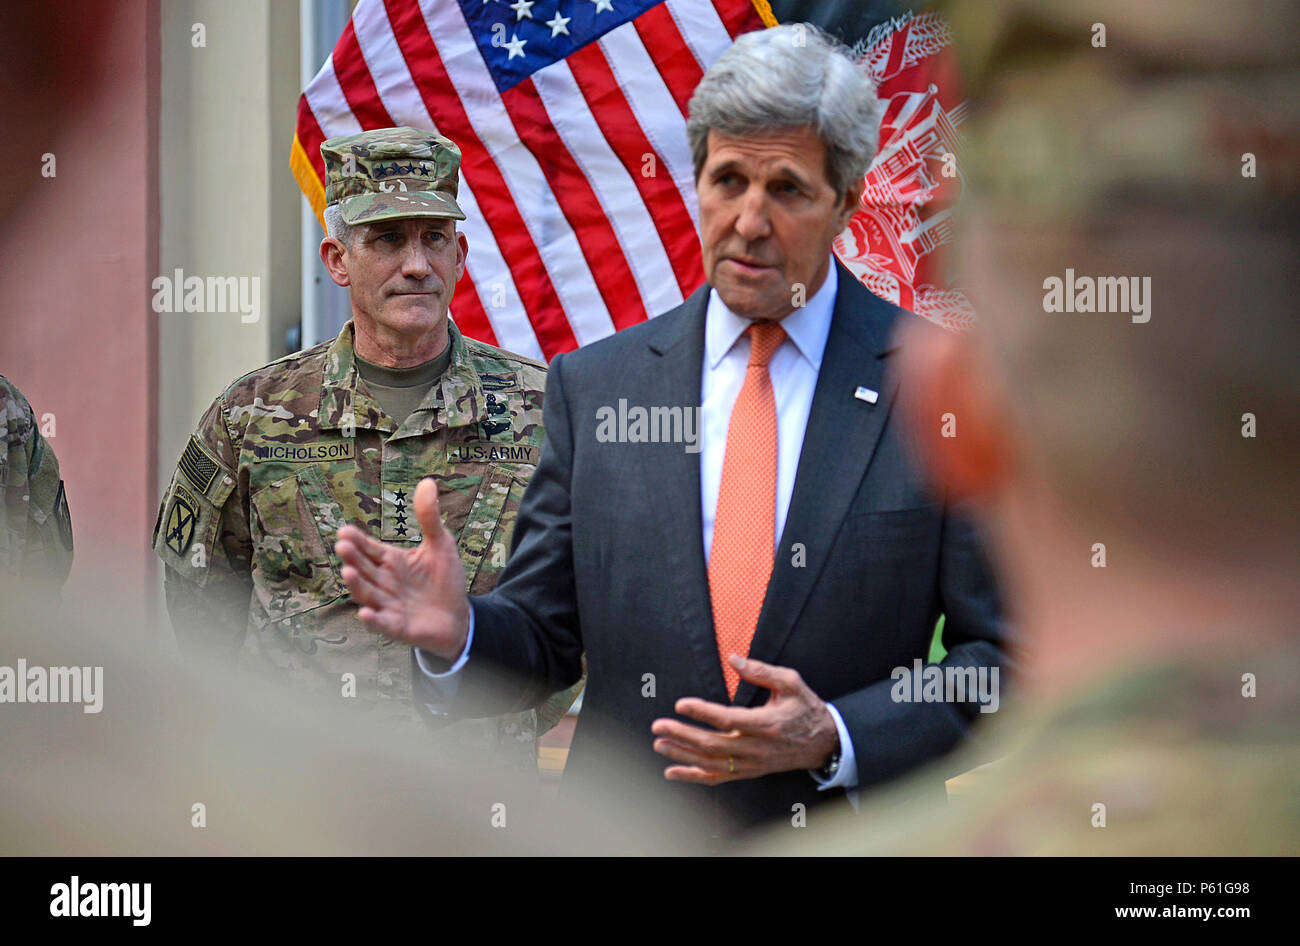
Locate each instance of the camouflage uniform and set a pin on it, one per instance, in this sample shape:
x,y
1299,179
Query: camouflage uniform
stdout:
x,y
35,527
392,173
1184,763
290,452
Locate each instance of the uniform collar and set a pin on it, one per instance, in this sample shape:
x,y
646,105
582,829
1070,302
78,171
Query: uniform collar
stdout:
x,y
455,400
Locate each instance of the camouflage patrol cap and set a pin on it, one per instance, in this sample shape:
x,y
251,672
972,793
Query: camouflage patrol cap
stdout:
x,y
388,173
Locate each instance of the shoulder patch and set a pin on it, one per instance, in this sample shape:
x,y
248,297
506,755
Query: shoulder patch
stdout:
x,y
181,518
512,361
199,468
189,526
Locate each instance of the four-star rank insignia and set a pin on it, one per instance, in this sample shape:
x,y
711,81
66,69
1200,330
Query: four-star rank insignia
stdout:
x,y
398,519
399,499
182,517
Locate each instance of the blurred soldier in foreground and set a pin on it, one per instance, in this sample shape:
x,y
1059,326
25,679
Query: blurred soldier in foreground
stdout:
x,y
35,528
48,56
342,433
1138,460
180,759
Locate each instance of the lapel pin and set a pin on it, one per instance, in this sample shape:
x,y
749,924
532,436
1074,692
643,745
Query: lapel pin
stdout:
x,y
866,394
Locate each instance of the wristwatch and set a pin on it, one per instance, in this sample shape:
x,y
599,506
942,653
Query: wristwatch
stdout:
x,y
827,771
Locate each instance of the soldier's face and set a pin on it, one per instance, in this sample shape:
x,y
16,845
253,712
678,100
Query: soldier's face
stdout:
x,y
401,273
768,215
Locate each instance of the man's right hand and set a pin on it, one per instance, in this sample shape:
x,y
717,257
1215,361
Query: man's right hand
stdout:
x,y
416,595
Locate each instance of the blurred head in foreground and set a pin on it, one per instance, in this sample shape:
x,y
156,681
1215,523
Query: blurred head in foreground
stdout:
x,y
1126,414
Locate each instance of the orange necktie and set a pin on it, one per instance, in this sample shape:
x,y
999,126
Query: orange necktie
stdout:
x,y
744,529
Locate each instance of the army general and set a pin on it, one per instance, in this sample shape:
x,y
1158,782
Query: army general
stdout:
x,y
342,433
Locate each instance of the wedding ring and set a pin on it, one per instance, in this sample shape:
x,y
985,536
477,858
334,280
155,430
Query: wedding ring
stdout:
x,y
731,765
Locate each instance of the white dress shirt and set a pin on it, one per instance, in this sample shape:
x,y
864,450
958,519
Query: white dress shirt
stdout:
x,y
793,369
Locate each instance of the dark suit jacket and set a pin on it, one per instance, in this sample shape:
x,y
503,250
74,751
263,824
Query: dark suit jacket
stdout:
x,y
608,559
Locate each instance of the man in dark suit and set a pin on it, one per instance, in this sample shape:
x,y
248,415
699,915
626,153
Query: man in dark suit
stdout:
x,y
724,518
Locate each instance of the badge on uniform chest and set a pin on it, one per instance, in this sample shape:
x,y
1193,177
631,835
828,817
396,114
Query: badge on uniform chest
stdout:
x,y
398,519
491,451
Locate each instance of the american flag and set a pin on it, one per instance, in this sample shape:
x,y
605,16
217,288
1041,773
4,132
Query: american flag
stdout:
x,y
576,177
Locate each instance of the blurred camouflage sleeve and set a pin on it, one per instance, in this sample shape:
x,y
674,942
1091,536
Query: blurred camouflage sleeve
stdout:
x,y
202,536
35,525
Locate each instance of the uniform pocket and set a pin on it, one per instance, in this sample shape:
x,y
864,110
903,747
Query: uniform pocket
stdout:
x,y
485,539
294,567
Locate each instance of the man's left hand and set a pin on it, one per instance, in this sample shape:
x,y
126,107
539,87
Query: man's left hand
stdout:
x,y
792,730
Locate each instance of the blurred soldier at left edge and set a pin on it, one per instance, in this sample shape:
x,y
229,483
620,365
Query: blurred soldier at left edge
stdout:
x,y
50,54
35,528
342,433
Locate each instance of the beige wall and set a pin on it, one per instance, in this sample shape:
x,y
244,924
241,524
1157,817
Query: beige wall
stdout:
x,y
230,207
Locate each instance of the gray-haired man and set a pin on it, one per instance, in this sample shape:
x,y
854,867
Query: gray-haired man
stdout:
x,y
789,558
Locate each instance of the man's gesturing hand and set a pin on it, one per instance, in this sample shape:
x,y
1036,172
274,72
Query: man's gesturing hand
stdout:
x,y
792,730
414,595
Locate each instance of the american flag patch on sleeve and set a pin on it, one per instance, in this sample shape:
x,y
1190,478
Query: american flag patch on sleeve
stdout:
x,y
199,468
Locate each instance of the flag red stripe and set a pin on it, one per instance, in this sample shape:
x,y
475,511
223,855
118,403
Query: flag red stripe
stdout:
x,y
672,57
357,84
579,204
738,16
623,133
531,279
311,137
467,309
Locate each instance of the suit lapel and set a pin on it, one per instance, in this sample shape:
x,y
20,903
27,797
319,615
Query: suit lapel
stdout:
x,y
838,444
675,379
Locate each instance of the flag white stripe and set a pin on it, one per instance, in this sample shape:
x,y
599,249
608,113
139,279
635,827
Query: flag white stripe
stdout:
x,y
556,243
402,100
487,267
326,100
654,108
701,28
615,189
385,61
